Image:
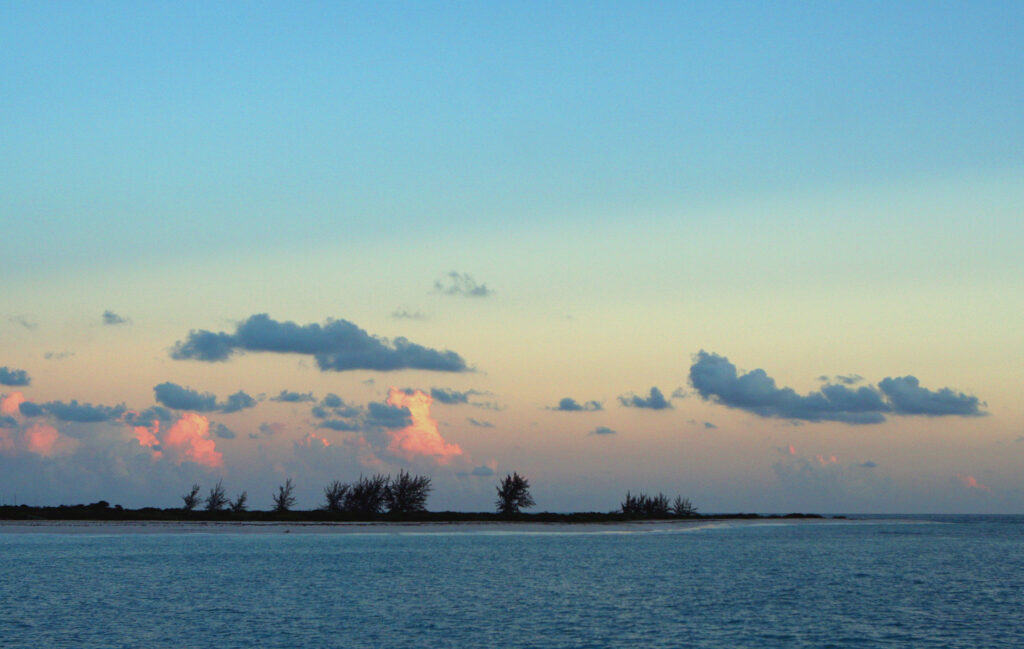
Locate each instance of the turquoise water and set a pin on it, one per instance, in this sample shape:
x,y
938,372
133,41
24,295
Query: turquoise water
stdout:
x,y
954,582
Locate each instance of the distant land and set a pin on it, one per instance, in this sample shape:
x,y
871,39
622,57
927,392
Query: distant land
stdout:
x,y
104,511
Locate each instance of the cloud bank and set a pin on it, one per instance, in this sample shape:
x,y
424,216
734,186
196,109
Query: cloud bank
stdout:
x,y
716,379
337,346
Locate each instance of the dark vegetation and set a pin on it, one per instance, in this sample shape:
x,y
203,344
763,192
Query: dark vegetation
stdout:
x,y
379,497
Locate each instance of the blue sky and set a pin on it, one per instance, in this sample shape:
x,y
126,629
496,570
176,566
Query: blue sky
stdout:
x,y
815,190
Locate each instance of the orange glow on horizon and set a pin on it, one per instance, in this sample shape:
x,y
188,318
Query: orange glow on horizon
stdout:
x,y
421,437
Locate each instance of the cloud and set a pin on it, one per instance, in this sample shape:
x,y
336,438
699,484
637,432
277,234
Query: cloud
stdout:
x,y
482,471
421,438
24,321
845,379
148,416
45,440
868,465
392,414
908,398
569,404
312,440
656,400
29,409
603,430
223,432
293,397
342,425
189,440
462,284
14,378
715,379
111,318
452,397
709,425
177,397
7,421
970,482
57,356
11,403
337,346
237,401
405,314
479,423
82,412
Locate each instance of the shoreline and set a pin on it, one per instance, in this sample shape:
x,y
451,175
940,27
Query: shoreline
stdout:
x,y
132,527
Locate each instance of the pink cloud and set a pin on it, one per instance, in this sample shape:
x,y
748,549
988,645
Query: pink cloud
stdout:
x,y
189,439
45,440
9,404
971,482
312,440
421,437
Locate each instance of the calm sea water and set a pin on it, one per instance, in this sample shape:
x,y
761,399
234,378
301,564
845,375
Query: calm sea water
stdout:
x,y
940,582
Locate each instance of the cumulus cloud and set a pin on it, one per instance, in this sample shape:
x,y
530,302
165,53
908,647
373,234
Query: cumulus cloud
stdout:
x,y
569,404
452,397
177,397
11,403
293,397
188,440
14,378
909,398
709,425
223,432
716,379
111,318
482,471
420,438
603,430
480,423
455,283
337,346
654,401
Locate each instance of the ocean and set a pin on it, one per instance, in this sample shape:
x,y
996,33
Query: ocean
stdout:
x,y
949,582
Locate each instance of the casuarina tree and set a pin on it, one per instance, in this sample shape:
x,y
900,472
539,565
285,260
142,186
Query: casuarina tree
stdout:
x,y
283,499
408,493
513,494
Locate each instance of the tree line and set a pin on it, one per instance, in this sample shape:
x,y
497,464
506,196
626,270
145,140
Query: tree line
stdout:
x,y
407,493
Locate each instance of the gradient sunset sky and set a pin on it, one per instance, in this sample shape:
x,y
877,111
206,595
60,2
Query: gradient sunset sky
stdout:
x,y
769,256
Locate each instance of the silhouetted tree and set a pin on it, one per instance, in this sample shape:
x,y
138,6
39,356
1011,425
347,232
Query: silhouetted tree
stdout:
x,y
283,499
644,506
335,493
367,495
683,507
513,494
191,499
238,504
217,500
407,493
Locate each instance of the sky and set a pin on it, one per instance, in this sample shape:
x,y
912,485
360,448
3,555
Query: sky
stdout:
x,y
763,255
